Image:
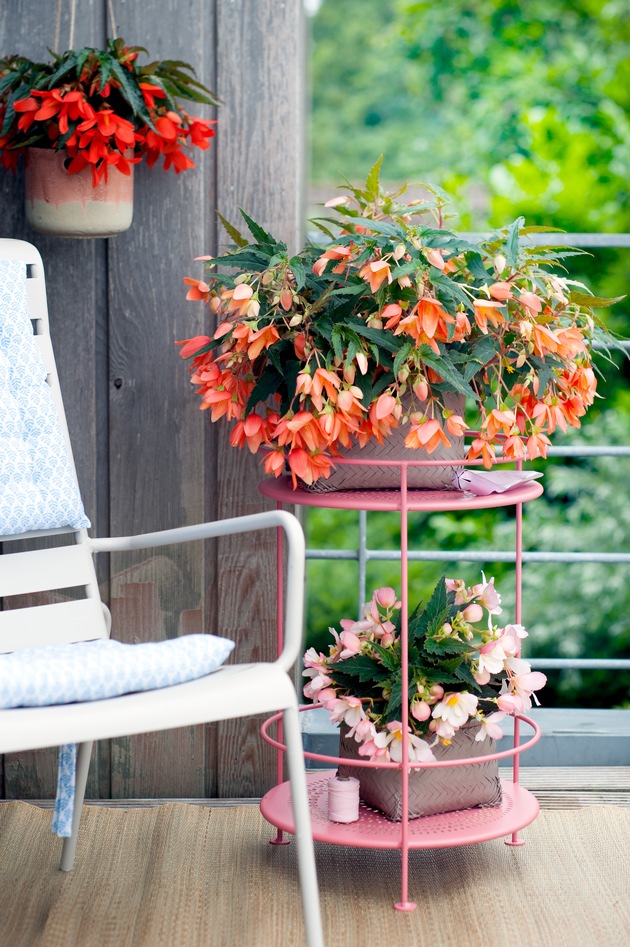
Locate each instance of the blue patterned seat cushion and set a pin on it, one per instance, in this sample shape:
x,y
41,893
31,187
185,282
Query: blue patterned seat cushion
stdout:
x,y
94,670
37,485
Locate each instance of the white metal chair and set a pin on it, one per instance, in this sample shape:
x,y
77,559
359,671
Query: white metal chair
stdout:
x,y
232,691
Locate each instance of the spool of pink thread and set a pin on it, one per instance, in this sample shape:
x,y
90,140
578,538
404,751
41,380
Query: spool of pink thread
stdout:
x,y
343,799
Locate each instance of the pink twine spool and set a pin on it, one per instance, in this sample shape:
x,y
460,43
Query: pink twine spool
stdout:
x,y
343,799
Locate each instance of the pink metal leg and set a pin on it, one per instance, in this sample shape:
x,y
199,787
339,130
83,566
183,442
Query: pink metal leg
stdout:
x,y
279,839
515,840
404,904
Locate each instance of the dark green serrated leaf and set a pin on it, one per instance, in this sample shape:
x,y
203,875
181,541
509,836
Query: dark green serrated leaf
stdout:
x,y
511,242
270,382
445,368
297,268
450,287
476,267
362,667
257,232
131,93
401,357
372,184
68,66
337,340
232,232
464,674
390,344
598,302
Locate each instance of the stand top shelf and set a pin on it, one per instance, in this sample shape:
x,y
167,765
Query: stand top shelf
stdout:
x,y
426,501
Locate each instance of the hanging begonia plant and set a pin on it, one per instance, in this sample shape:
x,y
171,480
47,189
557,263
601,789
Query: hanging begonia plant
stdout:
x,y
102,109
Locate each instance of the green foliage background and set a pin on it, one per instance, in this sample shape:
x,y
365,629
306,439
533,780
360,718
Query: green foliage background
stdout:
x,y
514,108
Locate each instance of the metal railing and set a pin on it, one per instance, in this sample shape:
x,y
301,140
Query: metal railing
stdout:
x,y
363,555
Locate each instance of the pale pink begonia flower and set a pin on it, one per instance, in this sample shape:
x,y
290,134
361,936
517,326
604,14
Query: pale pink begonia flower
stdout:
x,y
459,587
371,624
363,731
455,708
492,657
515,630
443,730
346,709
373,750
487,595
314,659
346,645
510,703
393,740
482,677
318,680
490,727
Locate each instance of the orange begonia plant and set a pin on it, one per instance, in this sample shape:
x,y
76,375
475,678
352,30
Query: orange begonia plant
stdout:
x,y
392,308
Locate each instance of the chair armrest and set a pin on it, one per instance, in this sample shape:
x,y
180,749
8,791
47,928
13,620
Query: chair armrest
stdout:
x,y
294,606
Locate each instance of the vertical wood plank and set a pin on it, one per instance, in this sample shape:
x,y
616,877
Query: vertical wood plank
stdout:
x,y
260,169
146,457
76,290
156,435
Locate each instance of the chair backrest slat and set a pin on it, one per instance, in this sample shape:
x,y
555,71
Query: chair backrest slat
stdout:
x,y
40,570
80,620
47,569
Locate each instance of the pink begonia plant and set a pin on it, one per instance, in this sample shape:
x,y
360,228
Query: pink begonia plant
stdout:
x,y
458,672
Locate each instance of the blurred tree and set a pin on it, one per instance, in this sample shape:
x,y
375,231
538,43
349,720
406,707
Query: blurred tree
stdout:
x,y
515,108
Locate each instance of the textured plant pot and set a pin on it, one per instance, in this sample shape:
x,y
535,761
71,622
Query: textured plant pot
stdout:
x,y
68,205
431,790
355,477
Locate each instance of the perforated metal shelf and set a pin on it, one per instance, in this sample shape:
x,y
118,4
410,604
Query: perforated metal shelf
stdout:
x,y
465,827
428,501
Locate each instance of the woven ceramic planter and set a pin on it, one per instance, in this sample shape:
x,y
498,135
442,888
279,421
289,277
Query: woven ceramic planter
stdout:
x,y
354,477
68,205
431,790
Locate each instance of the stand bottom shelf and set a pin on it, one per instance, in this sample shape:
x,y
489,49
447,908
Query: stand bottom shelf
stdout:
x,y
465,827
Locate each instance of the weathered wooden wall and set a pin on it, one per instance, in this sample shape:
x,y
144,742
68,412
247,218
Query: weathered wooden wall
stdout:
x,y
146,457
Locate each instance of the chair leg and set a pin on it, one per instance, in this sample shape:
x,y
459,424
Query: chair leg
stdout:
x,y
84,752
303,834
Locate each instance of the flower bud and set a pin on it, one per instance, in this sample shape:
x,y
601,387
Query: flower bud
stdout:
x,y
473,613
421,389
420,710
385,597
499,263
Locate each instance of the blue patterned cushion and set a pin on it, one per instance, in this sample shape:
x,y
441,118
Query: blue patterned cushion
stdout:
x,y
37,485
94,670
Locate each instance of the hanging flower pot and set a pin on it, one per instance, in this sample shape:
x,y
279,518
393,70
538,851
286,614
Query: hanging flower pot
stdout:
x,y
71,205
83,120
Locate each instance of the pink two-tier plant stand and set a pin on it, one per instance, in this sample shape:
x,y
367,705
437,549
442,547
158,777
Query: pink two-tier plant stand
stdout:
x,y
518,808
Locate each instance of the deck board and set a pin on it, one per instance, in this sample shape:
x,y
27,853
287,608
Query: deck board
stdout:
x,y
557,787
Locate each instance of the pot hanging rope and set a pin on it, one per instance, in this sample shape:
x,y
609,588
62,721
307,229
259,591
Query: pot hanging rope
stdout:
x,y
62,201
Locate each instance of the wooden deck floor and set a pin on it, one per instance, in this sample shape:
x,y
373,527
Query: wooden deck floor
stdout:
x,y
562,787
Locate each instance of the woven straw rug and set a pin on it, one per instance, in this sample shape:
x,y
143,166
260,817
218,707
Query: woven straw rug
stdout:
x,y
181,875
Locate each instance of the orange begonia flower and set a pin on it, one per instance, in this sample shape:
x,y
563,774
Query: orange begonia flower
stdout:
x,y
502,291
375,273
486,310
